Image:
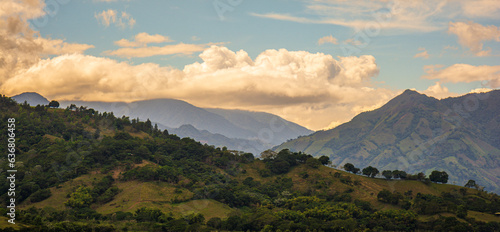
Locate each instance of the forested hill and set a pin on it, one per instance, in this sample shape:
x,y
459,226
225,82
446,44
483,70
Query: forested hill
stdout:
x,y
417,133
83,170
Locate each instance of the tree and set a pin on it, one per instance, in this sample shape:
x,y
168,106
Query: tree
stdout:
x,y
420,176
148,215
437,176
462,211
81,198
387,174
349,167
324,160
403,175
54,104
313,162
370,171
471,184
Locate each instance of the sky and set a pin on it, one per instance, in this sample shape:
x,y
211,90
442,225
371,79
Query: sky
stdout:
x,y
317,63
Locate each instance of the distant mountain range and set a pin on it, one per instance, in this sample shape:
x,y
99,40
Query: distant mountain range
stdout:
x,y
236,129
417,133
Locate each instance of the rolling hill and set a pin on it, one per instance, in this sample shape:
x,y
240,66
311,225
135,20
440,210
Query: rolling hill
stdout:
x,y
417,133
235,129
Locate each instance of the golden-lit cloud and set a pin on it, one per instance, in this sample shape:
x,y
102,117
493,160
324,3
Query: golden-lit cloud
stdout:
x,y
27,9
328,39
466,73
108,17
438,91
20,46
181,48
292,84
423,54
143,39
59,47
472,35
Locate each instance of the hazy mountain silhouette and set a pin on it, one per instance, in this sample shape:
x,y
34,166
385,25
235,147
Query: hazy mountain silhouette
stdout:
x,y
31,98
236,129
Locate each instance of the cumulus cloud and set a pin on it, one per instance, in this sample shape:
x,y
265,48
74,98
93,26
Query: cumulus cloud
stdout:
x,y
466,73
26,9
472,35
143,39
327,39
422,54
20,46
292,84
438,91
108,17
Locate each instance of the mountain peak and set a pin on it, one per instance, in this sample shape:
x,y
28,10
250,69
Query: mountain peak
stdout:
x,y
32,98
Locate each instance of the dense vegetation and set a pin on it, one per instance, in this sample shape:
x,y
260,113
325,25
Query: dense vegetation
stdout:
x,y
283,191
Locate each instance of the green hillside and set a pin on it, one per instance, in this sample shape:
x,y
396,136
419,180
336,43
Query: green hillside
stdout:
x,y
416,133
82,170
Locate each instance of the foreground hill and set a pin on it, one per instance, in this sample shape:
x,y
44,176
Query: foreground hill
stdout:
x,y
82,170
416,133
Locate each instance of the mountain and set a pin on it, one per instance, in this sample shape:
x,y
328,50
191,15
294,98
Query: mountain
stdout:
x,y
85,171
236,129
31,98
253,146
267,127
417,133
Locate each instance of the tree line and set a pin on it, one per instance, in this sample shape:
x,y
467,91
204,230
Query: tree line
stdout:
x,y
435,176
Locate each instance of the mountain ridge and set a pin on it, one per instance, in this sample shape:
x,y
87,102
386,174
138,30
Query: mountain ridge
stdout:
x,y
414,132
236,129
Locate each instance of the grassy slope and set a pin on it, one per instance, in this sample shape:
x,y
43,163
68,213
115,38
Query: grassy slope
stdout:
x,y
368,188
135,195
159,194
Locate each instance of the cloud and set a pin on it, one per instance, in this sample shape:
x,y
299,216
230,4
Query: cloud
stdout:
x,y
438,91
108,17
26,9
20,46
126,20
481,9
143,39
398,15
59,47
181,48
472,35
292,84
353,42
380,14
422,54
466,73
327,39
